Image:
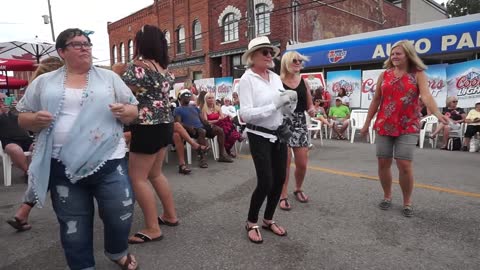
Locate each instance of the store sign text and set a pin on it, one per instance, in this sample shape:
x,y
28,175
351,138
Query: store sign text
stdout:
x,y
424,45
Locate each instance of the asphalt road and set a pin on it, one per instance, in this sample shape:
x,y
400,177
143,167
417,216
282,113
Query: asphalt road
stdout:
x,y
340,228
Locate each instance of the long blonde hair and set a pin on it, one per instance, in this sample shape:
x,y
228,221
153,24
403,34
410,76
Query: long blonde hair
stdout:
x,y
205,105
287,59
47,65
414,62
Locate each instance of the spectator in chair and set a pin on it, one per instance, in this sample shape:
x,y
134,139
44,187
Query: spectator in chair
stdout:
x,y
345,98
340,115
198,128
473,121
456,116
22,144
180,135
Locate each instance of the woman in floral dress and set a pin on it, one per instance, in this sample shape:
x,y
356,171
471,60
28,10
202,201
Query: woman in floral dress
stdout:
x,y
149,79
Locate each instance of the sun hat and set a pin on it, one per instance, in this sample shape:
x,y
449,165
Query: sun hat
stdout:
x,y
257,43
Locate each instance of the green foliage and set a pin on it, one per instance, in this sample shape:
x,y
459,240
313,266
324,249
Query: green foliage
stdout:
x,y
456,8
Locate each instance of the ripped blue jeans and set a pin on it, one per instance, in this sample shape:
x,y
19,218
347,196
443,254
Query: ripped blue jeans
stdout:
x,y
74,207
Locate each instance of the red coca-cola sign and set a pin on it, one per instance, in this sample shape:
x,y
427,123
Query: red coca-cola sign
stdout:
x,y
369,86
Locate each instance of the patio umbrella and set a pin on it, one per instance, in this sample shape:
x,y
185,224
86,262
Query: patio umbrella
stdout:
x,y
16,65
32,50
11,82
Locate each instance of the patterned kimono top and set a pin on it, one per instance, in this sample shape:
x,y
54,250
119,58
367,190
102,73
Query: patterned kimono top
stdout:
x,y
152,95
399,111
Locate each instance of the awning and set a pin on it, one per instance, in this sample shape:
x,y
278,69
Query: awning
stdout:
x,y
12,83
455,35
16,65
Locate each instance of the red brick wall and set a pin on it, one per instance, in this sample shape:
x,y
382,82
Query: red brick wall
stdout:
x,y
316,22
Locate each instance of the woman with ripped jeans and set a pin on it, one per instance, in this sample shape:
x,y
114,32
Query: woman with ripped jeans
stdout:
x,y
78,113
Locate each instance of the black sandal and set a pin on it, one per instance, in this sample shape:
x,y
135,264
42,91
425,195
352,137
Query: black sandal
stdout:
x,y
183,169
287,207
257,230
19,225
268,227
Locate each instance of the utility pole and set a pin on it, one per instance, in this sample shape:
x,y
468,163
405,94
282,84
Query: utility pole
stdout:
x,y
51,19
251,19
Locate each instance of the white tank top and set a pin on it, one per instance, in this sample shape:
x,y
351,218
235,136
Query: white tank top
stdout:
x,y
66,119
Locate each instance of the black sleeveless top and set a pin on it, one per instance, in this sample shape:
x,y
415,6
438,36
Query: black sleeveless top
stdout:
x,y
301,96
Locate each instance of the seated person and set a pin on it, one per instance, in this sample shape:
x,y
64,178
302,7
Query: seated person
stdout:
x,y
198,128
473,121
16,141
457,116
214,116
320,113
228,109
179,136
236,101
339,114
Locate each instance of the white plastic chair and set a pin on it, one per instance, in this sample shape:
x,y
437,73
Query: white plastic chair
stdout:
x,y
313,125
457,133
213,144
7,166
430,121
357,120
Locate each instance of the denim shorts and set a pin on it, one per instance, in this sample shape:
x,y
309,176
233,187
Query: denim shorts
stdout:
x,y
400,147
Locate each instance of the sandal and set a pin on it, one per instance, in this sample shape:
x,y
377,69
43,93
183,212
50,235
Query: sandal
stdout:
x,y
287,207
203,163
268,227
257,231
407,211
129,261
385,204
19,225
183,169
145,238
162,221
300,196
224,159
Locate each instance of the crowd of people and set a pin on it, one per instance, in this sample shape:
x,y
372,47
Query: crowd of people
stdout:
x,y
90,117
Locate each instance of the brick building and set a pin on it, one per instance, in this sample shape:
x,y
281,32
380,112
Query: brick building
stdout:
x,y
207,38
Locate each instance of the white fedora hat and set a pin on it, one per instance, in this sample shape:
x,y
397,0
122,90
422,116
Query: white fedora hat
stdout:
x,y
257,43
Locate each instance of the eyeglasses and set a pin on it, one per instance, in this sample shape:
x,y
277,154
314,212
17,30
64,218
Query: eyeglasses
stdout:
x,y
266,52
79,45
297,61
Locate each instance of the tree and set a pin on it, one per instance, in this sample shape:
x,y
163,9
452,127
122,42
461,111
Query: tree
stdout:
x,y
456,8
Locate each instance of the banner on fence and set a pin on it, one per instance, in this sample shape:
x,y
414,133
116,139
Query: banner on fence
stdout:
x,y
437,83
463,81
348,79
224,87
205,85
369,84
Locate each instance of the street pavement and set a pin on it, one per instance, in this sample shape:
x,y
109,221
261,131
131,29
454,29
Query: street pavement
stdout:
x,y
340,228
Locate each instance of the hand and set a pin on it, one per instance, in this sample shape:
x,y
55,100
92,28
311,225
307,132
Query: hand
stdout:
x,y
281,101
443,119
117,109
364,130
43,119
311,112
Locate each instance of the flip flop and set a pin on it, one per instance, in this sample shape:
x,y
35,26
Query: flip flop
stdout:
x,y
257,230
161,221
287,205
300,196
19,225
145,238
127,262
268,227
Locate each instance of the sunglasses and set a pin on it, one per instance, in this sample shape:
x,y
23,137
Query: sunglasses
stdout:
x,y
266,52
297,61
455,101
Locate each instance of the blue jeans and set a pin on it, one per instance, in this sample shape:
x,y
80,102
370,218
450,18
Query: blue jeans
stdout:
x,y
74,207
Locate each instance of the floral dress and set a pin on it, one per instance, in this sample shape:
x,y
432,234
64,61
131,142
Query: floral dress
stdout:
x,y
152,95
399,111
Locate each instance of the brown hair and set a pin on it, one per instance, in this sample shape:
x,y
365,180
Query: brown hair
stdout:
x,y
47,65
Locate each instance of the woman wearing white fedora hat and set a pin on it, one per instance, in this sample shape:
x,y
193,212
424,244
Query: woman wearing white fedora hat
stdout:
x,y
261,106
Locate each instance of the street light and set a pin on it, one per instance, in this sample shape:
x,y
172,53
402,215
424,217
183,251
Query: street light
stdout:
x,y
48,19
